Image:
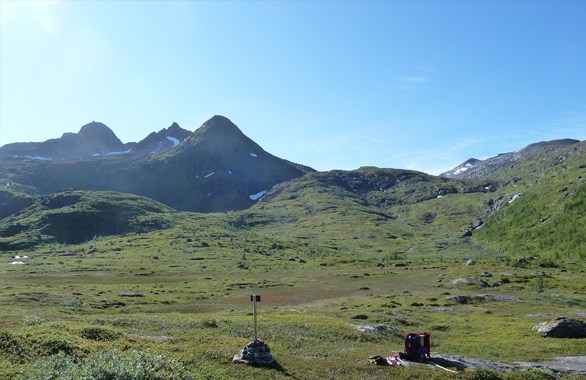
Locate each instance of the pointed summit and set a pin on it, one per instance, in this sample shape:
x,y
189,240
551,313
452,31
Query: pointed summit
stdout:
x,y
165,139
219,136
219,127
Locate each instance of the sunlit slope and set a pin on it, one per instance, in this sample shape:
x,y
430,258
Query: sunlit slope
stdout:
x,y
369,211
548,215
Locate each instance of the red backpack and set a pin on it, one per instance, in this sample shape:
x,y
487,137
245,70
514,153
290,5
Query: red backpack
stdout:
x,y
417,346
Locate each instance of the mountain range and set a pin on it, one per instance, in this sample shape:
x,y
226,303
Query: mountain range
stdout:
x,y
90,184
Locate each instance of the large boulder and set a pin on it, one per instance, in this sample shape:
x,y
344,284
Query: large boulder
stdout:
x,y
562,327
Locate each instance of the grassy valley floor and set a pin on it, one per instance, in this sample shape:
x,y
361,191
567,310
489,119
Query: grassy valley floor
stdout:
x,y
181,305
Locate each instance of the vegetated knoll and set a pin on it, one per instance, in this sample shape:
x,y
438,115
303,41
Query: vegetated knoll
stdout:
x,y
14,197
217,168
73,217
369,210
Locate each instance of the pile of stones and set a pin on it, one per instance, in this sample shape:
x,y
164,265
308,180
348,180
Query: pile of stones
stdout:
x,y
256,352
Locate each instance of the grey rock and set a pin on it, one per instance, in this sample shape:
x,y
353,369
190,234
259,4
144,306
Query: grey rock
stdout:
x,y
562,327
470,281
256,352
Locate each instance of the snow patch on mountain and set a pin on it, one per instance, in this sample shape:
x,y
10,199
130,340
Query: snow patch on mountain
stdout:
x,y
173,140
257,196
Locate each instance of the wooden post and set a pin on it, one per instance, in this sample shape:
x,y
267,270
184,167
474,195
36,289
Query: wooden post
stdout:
x,y
255,298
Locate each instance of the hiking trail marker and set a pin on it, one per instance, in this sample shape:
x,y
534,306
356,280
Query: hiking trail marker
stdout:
x,y
254,299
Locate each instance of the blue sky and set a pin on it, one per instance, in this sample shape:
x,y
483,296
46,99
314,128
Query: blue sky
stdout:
x,y
329,84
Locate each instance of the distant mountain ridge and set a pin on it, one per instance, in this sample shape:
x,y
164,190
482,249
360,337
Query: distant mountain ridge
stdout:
x,y
94,139
215,168
474,168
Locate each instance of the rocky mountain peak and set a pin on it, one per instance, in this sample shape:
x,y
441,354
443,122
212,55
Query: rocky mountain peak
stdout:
x,y
98,133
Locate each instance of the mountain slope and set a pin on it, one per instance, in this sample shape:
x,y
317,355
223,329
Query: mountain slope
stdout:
x,y
217,168
547,214
93,139
158,142
490,167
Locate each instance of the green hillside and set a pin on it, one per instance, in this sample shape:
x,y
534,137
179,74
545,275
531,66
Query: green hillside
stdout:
x,y
77,216
548,217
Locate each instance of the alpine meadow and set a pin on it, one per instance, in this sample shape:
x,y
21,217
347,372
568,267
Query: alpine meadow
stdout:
x,y
139,260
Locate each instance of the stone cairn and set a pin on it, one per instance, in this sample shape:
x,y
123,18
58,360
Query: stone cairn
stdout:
x,y
256,352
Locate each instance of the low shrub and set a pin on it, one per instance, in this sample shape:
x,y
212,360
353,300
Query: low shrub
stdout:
x,y
100,334
109,365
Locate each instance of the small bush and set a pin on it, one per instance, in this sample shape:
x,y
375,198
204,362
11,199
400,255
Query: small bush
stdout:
x,y
210,323
32,320
100,334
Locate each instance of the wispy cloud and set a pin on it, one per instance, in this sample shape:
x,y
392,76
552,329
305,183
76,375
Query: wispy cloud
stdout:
x,y
420,75
414,79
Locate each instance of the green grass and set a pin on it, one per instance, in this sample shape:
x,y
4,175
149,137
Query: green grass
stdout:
x,y
171,291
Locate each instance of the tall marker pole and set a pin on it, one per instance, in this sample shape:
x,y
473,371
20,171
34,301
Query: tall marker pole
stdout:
x,y
255,298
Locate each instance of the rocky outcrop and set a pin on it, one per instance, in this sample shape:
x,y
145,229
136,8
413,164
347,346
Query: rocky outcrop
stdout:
x,y
161,141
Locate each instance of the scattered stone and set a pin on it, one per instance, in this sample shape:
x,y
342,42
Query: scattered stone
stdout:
x,y
378,329
256,352
470,262
570,263
459,299
485,274
359,316
131,295
470,281
380,265
483,297
540,274
323,264
562,327
364,288
242,266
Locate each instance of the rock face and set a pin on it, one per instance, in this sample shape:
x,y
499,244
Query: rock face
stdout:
x,y
161,141
256,352
562,327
